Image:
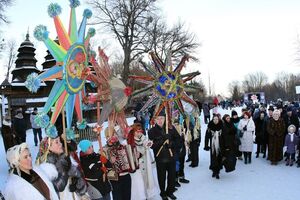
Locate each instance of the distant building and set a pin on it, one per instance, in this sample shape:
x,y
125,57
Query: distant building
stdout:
x,y
13,91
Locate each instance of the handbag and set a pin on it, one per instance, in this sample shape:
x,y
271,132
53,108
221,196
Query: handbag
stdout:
x,y
241,134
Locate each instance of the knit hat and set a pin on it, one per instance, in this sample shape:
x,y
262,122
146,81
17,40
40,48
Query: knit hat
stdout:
x,y
289,109
290,127
13,155
84,145
233,113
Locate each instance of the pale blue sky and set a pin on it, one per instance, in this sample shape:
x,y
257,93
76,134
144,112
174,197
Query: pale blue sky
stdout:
x,y
237,36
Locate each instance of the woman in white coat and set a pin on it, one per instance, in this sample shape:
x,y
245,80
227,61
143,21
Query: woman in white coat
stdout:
x,y
26,182
247,128
145,162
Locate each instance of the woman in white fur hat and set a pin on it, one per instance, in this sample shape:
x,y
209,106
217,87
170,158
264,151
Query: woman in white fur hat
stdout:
x,y
24,181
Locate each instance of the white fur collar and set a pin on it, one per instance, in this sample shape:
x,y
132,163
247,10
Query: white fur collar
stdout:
x,y
6,123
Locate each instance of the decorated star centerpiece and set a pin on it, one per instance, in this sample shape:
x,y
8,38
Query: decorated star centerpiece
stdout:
x,y
72,56
165,86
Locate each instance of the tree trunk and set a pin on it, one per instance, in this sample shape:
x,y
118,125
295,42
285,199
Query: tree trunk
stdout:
x,y
126,64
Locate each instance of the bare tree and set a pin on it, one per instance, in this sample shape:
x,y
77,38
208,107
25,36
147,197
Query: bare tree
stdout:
x,y
3,18
11,55
235,90
128,20
175,41
254,81
3,5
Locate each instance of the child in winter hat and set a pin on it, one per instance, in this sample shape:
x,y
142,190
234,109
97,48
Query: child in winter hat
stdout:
x,y
290,145
84,145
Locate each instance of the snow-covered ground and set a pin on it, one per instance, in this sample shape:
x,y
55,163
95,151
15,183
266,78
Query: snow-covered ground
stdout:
x,y
257,181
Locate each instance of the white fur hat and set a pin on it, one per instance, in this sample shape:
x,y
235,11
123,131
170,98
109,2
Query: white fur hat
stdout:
x,y
13,155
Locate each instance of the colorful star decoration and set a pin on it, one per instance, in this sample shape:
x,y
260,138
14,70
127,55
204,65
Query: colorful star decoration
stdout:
x,y
111,93
69,73
165,85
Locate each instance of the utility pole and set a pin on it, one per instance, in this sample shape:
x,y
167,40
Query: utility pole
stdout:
x,y
209,85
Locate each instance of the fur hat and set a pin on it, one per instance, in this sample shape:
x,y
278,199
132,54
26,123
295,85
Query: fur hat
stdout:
x,y
271,108
13,155
84,145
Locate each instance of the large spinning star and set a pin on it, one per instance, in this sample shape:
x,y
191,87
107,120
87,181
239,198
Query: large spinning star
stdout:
x,y
111,93
71,55
167,86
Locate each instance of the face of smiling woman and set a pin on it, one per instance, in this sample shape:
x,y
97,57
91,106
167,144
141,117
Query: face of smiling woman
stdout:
x,y
56,146
25,163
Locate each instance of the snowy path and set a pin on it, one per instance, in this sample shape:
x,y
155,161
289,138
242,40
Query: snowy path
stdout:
x,y
257,181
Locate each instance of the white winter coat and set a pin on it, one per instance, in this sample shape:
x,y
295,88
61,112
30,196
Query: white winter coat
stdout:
x,y
146,167
18,188
247,139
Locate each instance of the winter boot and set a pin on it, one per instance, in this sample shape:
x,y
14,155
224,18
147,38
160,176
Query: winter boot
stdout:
x,y
291,162
217,176
183,180
287,163
245,157
177,184
249,157
213,174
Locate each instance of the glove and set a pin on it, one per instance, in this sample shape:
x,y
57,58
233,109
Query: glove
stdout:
x,y
245,128
206,148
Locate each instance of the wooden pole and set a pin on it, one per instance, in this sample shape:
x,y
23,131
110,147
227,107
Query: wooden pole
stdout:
x,y
98,122
64,129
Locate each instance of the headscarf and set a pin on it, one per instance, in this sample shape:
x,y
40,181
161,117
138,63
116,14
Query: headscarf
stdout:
x,y
43,150
13,156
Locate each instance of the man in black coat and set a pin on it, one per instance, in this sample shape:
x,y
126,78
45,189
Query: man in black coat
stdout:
x,y
19,127
164,152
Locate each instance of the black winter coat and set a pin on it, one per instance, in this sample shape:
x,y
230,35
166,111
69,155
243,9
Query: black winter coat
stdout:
x,y
215,159
158,135
229,136
261,131
91,167
19,126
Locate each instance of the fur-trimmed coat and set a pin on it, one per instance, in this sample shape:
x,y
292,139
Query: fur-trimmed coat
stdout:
x,y
18,188
69,182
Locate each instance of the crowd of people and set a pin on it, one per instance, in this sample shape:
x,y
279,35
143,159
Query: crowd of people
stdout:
x,y
124,169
